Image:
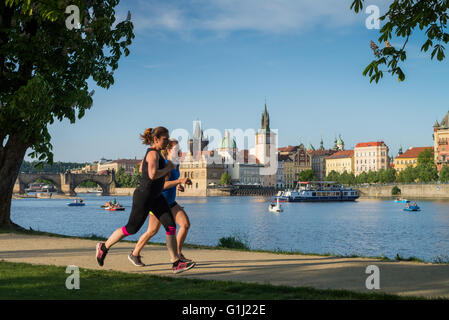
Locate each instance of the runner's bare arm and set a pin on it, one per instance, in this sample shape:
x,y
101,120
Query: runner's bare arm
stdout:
x,y
153,172
174,183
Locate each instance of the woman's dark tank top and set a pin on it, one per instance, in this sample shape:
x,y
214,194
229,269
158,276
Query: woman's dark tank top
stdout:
x,y
152,188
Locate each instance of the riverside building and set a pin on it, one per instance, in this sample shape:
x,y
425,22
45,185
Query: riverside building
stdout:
x,y
370,156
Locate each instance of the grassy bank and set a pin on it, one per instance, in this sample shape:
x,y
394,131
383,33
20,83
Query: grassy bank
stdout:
x,y
26,281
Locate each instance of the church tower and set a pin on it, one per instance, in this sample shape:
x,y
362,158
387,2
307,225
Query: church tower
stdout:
x,y
263,139
265,142
198,143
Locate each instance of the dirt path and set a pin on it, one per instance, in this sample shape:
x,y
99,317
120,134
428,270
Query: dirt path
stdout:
x,y
402,278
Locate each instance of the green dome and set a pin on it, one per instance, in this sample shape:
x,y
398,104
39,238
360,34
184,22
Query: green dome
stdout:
x,y
340,140
227,143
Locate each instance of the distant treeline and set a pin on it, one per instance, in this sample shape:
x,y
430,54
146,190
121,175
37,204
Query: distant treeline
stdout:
x,y
122,179
56,167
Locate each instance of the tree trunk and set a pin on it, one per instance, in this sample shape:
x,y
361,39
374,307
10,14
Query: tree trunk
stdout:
x,y
11,158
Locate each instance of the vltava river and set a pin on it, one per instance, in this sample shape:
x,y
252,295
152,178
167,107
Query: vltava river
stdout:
x,y
367,227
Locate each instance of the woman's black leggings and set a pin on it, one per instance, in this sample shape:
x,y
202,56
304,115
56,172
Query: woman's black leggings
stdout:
x,y
142,205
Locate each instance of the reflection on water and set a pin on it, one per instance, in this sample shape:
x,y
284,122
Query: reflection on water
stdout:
x,y
368,227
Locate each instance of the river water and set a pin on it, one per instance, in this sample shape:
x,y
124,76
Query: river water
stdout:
x,y
366,227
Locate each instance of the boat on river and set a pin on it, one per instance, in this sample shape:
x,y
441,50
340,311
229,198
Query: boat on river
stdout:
x,y
409,207
400,200
73,204
77,203
318,191
412,208
275,207
115,208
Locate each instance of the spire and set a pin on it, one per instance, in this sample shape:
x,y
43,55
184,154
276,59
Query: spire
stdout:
x,y
197,133
445,122
321,144
310,147
266,118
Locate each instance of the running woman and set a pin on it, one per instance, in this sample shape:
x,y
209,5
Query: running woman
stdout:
x,y
172,181
148,197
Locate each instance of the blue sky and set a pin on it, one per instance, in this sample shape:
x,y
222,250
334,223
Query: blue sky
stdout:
x,y
218,60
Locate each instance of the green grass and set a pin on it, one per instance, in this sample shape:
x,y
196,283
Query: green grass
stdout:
x,y
26,281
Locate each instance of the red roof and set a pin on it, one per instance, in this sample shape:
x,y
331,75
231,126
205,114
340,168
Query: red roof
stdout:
x,y
370,144
413,152
342,154
125,161
287,149
321,152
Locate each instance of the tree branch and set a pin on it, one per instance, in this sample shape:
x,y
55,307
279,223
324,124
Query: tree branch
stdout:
x,y
6,14
405,43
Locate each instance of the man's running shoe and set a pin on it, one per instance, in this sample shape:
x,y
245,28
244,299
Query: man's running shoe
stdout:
x,y
101,253
136,260
184,259
180,266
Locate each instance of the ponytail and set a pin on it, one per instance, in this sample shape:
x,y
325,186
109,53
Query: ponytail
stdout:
x,y
148,136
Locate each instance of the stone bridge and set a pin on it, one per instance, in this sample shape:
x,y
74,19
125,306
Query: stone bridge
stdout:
x,y
65,183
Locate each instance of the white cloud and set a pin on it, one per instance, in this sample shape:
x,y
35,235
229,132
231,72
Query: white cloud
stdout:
x,y
225,16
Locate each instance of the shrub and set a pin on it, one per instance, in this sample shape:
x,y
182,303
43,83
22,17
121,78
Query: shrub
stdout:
x,y
232,243
395,191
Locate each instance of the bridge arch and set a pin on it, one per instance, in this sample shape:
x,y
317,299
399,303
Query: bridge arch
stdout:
x,y
66,183
25,179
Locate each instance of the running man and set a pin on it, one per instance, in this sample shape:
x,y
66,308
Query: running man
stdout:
x,y
172,181
148,197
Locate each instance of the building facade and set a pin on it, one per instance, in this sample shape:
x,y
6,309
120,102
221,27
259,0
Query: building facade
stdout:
x,y
280,176
408,158
440,142
201,171
245,174
340,162
127,164
370,156
297,161
318,158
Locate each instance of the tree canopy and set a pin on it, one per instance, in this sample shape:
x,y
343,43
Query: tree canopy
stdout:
x,y
45,66
401,20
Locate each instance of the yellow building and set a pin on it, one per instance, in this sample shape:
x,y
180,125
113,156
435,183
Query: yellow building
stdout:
x,y
127,164
201,172
408,158
340,162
